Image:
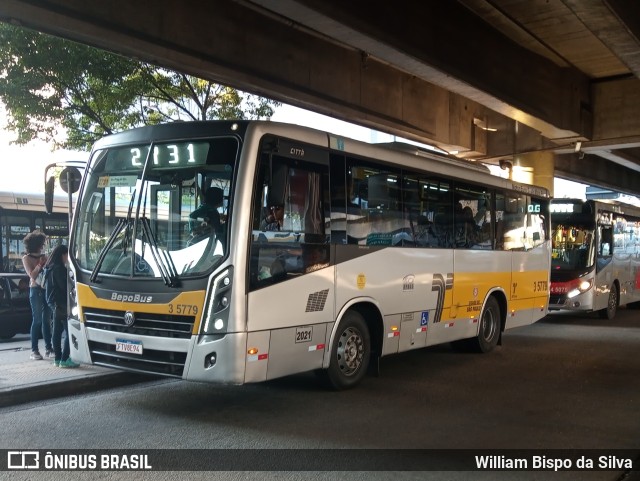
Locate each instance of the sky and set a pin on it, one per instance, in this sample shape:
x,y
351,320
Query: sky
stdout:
x,y
24,165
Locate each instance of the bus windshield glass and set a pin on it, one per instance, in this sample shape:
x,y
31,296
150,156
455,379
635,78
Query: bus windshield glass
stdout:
x,y
156,210
572,244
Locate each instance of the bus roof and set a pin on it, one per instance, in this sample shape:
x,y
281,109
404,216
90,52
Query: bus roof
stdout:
x,y
402,155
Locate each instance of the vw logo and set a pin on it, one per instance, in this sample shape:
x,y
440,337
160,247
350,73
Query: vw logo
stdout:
x,y
129,318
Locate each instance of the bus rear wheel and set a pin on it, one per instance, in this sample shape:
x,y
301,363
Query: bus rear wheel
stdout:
x,y
489,329
350,352
612,304
488,332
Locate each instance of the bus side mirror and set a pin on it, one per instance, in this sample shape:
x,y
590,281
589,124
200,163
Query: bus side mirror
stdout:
x,y
70,178
49,187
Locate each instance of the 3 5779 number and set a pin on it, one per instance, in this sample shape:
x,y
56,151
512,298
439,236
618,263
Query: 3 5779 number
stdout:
x,y
540,286
183,309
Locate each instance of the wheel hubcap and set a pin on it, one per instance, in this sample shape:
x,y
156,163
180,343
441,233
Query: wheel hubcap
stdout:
x,y
350,351
488,325
612,301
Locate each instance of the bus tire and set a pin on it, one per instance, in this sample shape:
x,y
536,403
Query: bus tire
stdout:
x,y
350,352
489,329
609,312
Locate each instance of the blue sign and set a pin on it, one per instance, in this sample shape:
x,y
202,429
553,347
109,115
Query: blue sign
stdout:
x,y
424,318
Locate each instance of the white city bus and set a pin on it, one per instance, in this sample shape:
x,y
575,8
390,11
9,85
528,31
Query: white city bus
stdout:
x,y
595,264
319,253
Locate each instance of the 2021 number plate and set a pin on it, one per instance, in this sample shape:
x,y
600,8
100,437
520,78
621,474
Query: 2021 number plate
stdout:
x,y
304,334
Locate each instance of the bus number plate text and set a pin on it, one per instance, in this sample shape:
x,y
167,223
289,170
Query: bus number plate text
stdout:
x,y
304,334
128,346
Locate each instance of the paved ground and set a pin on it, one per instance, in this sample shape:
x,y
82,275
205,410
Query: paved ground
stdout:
x,y
563,383
24,380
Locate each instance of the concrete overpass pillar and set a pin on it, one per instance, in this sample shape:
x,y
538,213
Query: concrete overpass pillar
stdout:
x,y
534,168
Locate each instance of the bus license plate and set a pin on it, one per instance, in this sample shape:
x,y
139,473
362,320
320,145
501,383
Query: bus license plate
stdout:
x,y
129,346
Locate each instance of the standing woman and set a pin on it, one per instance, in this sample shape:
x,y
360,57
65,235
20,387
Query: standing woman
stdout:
x,y
56,294
33,262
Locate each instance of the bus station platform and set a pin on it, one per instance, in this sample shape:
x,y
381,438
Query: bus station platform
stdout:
x,y
23,380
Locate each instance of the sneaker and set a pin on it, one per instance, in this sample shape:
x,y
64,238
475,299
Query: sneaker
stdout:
x,y
36,356
56,362
68,364
49,353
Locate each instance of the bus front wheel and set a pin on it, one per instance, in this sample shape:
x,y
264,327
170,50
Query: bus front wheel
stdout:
x,y
350,352
612,304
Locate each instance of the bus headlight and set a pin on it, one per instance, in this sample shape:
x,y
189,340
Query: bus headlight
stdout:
x,y
583,286
217,318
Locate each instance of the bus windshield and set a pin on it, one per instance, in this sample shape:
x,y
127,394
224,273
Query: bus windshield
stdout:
x,y
156,210
572,246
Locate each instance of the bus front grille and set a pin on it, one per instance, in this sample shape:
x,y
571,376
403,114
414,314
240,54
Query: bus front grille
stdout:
x,y
145,324
152,362
557,300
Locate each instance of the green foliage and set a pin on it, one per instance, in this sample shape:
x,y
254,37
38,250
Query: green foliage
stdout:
x,y
72,94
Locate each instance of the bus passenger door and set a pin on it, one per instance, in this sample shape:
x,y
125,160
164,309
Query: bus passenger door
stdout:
x,y
290,301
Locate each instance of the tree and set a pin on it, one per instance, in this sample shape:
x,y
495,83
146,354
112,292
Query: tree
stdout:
x,y
72,94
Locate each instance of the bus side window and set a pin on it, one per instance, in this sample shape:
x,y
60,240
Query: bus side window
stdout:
x,y
375,190
339,211
606,241
515,219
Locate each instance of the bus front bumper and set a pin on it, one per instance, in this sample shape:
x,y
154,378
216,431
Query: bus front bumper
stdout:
x,y
217,359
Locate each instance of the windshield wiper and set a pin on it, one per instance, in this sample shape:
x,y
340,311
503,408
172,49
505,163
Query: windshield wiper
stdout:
x,y
163,260
122,223
105,250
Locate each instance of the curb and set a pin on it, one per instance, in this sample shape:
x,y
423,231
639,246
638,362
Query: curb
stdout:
x,y
83,385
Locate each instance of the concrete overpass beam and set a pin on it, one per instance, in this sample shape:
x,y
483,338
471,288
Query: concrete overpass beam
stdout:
x,y
616,107
595,170
536,168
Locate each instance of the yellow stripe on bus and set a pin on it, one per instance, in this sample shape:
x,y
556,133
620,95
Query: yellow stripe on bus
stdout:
x,y
188,303
523,291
